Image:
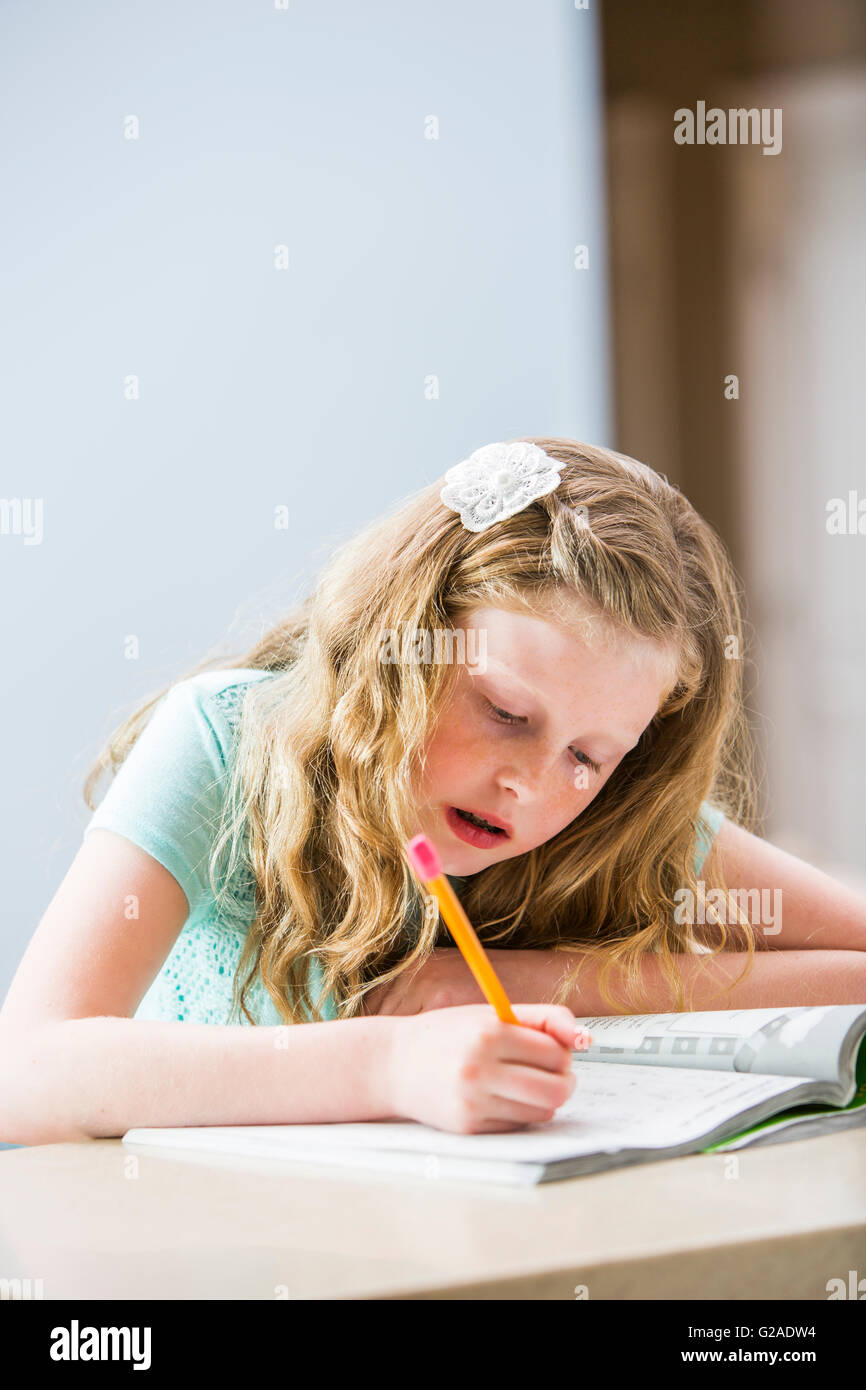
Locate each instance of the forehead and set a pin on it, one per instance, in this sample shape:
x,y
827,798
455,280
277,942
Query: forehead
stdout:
x,y
576,617
568,655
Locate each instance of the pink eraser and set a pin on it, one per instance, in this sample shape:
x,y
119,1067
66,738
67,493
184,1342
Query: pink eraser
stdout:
x,y
423,857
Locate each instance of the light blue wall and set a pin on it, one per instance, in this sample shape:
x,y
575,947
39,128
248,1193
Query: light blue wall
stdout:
x,y
407,257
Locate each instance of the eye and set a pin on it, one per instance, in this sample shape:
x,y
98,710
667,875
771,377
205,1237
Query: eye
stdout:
x,y
503,717
596,767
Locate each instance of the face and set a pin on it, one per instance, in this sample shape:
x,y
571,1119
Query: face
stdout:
x,y
580,704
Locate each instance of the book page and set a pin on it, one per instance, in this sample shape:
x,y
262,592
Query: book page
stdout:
x,y
621,1107
797,1041
612,1108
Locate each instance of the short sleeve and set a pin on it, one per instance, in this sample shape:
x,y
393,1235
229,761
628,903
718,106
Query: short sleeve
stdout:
x,y
710,820
167,796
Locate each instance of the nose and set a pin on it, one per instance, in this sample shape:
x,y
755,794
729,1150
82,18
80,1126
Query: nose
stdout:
x,y
526,780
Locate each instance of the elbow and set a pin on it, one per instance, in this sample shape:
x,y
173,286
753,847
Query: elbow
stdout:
x,y
28,1126
29,1114
26,1121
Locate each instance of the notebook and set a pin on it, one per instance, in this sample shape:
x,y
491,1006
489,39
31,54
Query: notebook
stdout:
x,y
650,1086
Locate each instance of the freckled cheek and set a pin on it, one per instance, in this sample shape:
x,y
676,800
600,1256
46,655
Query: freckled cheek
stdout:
x,y
452,753
562,808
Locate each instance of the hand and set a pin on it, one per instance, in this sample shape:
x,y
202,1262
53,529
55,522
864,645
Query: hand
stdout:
x,y
462,1069
442,981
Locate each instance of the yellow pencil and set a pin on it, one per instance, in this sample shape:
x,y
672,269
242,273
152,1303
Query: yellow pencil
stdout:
x,y
428,866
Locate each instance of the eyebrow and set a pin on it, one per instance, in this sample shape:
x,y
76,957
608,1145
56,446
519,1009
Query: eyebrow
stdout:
x,y
509,676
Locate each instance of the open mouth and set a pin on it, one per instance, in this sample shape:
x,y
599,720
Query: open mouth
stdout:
x,y
481,822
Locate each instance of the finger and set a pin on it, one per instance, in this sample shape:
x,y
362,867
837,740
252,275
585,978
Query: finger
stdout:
x,y
544,1090
516,1112
557,1020
381,1001
535,1048
503,1126
397,1006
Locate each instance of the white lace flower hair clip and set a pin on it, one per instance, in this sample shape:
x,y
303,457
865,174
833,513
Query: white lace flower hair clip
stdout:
x,y
497,481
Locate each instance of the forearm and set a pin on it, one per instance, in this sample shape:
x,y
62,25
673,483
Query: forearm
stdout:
x,y
775,979
97,1077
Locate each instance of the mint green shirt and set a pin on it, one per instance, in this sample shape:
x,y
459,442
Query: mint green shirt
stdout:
x,y
167,798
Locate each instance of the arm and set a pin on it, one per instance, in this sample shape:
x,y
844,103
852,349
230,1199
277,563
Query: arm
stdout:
x,y
810,938
94,1078
75,1064
813,953
775,978
807,908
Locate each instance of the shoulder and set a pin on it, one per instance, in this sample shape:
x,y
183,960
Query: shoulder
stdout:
x,y
187,741
711,817
221,688
819,911
707,828
215,698
168,795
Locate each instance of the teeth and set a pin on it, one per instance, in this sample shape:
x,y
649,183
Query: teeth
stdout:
x,y
476,820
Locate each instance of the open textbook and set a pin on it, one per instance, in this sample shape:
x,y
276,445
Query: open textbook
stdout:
x,y
650,1086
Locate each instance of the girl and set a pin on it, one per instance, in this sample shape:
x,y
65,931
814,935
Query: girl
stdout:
x,y
586,777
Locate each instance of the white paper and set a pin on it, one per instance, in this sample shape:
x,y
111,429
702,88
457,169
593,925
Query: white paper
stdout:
x,y
613,1107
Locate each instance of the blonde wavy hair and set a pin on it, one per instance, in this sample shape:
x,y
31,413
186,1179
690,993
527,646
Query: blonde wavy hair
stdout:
x,y
320,795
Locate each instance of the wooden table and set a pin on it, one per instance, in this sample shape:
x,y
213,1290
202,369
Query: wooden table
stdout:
x,y
95,1220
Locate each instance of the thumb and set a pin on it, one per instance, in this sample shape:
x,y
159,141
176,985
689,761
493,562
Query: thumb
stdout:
x,y
555,1019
